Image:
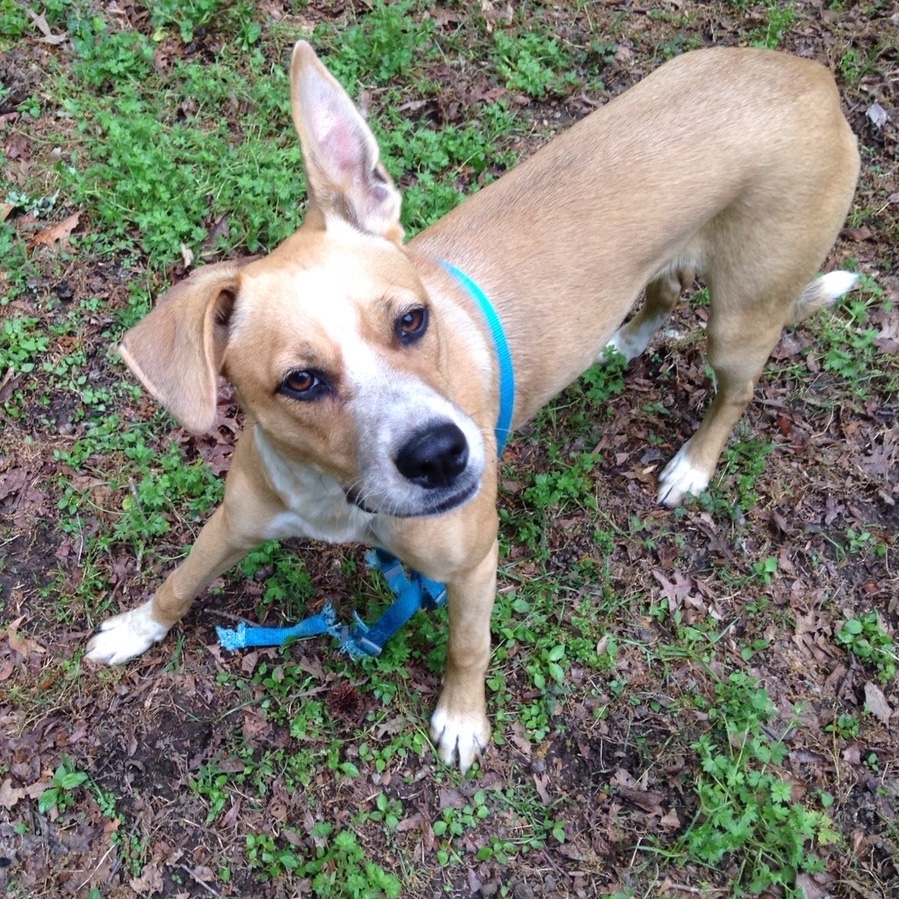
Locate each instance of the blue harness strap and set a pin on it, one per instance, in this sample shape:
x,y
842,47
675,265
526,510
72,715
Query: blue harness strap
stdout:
x,y
413,590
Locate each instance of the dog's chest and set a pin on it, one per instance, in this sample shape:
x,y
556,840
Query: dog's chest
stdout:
x,y
316,505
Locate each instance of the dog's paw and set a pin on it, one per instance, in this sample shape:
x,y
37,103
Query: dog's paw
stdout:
x,y
459,738
125,636
620,345
681,477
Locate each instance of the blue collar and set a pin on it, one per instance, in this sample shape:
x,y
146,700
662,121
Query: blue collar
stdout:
x,y
503,356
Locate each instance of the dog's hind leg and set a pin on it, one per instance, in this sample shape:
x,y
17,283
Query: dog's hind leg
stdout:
x,y
742,332
738,350
662,294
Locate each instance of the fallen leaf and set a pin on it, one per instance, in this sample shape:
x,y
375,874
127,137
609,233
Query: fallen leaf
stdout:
x,y
22,645
671,820
48,36
10,795
149,882
878,115
518,736
541,782
58,232
411,822
811,889
675,591
861,233
9,385
876,703
39,787
11,482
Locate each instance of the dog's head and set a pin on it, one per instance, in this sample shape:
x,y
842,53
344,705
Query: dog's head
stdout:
x,y
335,347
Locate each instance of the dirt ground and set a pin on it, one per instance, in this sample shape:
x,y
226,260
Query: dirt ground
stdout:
x,y
144,734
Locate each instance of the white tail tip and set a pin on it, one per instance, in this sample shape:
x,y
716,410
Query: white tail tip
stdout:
x,y
835,284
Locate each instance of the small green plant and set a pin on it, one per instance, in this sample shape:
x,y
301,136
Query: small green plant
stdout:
x,y
453,822
864,542
763,570
867,640
846,726
565,485
288,587
780,20
190,16
746,809
746,460
387,811
385,45
339,869
109,58
535,63
16,268
850,348
268,858
21,344
442,164
64,784
14,22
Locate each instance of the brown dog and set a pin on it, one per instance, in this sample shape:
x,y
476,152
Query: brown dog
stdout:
x,y
367,371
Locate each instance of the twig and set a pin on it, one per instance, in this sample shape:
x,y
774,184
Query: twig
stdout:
x,y
196,879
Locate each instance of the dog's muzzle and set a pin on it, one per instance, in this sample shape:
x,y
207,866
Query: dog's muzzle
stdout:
x,y
434,468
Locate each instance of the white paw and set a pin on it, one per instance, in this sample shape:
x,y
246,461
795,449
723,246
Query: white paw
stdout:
x,y
125,636
680,477
629,349
459,737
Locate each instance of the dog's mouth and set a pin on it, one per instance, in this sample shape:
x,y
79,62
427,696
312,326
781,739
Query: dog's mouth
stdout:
x,y
435,505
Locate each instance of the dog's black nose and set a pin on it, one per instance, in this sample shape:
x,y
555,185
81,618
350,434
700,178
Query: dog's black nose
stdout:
x,y
434,457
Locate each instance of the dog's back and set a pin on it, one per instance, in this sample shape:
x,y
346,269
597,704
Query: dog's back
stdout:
x,y
735,162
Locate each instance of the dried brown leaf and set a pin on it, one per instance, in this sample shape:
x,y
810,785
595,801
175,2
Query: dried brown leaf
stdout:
x,y
10,795
58,232
49,37
876,703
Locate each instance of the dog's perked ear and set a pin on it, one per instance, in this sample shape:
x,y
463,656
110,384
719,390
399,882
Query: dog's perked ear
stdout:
x,y
176,351
345,176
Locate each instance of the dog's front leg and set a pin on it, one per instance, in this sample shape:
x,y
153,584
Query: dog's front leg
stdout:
x,y
238,525
459,726
127,635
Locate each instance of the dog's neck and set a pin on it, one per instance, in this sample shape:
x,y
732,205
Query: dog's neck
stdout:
x,y
316,506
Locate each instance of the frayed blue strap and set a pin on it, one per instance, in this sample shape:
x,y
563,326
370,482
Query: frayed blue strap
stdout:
x,y
246,635
413,590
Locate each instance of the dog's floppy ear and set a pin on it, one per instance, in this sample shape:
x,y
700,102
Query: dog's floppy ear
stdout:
x,y
176,351
345,177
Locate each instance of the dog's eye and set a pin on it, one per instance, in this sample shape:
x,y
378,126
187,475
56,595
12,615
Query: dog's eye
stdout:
x,y
303,385
412,325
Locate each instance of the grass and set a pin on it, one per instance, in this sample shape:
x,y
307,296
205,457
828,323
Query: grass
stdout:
x,y
596,668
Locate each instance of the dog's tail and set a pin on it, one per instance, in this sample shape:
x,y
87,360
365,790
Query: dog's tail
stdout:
x,y
823,291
